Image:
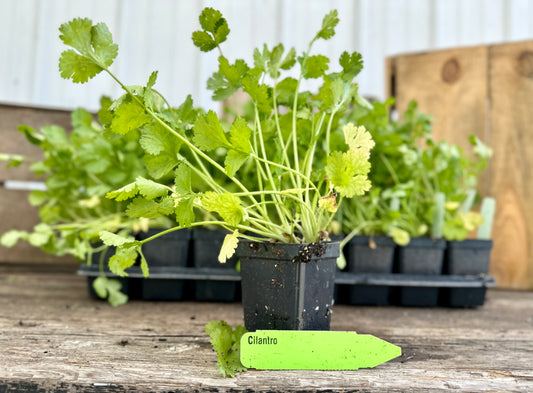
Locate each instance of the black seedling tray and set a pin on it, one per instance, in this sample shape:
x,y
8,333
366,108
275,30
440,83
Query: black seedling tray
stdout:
x,y
173,275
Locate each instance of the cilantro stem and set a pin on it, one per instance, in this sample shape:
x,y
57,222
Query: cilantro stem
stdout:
x,y
280,135
267,167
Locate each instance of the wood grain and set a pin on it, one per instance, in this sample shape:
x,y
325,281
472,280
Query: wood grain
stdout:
x,y
511,117
54,338
450,85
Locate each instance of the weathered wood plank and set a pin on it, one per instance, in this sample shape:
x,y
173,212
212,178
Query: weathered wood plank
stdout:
x,y
511,94
451,85
54,338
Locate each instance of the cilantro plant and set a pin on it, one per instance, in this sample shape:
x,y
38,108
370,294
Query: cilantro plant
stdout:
x,y
279,175
226,343
420,187
78,169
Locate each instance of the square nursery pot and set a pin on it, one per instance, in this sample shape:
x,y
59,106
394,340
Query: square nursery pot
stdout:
x,y
467,257
425,257
206,245
362,258
287,286
164,254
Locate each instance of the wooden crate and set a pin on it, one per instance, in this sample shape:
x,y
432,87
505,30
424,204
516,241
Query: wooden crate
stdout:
x,y
487,91
15,211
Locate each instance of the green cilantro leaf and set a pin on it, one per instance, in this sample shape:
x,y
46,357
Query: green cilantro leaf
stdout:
x,y
204,41
258,92
38,197
351,65
150,189
128,117
123,193
208,133
146,208
227,205
11,237
123,259
314,66
347,172
144,264
31,135
215,31
228,79
328,26
154,138
160,165
109,288
226,343
234,161
104,114
240,135
184,211
112,239
95,47
182,180
13,160
358,139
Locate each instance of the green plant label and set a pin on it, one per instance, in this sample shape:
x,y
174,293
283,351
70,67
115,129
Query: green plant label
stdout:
x,y
314,350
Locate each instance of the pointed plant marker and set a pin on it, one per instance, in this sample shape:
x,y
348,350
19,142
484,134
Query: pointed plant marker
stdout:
x,y
314,350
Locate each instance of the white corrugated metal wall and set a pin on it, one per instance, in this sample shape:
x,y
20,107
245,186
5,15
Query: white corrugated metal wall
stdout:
x,y
155,35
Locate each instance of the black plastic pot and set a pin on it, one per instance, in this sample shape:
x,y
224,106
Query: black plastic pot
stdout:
x,y
422,256
467,257
169,250
361,258
205,249
287,286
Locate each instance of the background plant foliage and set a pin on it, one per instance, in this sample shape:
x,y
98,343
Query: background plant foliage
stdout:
x,y
420,187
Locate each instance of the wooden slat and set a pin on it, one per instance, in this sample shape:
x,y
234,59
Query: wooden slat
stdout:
x,y
14,142
451,85
55,338
511,117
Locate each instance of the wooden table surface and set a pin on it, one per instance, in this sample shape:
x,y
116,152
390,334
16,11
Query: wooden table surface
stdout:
x,y
53,337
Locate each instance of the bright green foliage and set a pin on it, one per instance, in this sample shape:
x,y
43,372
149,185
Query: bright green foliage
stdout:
x,y
227,205
328,26
347,173
112,239
94,46
228,79
315,66
273,171
150,189
215,30
108,288
226,343
420,187
208,133
351,65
